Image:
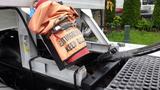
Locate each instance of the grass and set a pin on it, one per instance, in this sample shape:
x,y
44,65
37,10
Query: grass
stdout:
x,y
136,37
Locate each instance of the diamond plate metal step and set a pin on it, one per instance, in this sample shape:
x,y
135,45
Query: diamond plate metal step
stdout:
x,y
140,73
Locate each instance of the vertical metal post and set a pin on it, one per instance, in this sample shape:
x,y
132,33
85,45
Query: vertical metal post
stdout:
x,y
127,33
94,27
27,49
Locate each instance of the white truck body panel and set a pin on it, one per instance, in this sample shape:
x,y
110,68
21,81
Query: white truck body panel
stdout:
x,y
88,4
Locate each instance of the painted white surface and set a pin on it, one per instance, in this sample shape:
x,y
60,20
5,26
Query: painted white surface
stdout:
x,y
119,3
19,3
8,19
49,68
134,46
95,4
26,10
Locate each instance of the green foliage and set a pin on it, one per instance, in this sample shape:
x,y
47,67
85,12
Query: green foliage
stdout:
x,y
131,12
156,14
117,21
144,24
136,37
110,14
116,24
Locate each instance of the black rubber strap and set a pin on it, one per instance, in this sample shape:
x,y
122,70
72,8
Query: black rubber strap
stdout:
x,y
109,57
63,27
147,50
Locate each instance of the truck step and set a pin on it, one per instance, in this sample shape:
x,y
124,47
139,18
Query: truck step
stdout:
x,y
140,73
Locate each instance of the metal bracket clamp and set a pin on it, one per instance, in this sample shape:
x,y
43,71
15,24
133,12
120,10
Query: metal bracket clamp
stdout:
x,y
62,27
